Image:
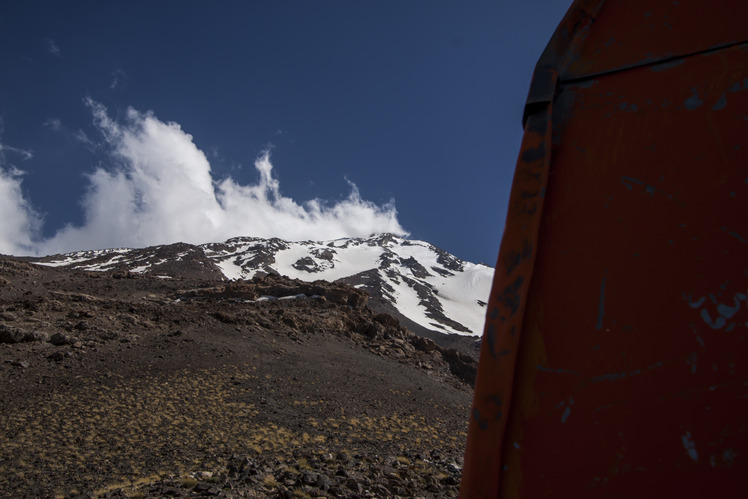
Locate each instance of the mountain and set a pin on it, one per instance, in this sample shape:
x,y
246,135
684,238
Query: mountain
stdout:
x,y
157,383
427,289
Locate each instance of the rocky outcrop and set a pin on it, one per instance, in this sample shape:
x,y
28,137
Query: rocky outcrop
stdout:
x,y
432,474
16,335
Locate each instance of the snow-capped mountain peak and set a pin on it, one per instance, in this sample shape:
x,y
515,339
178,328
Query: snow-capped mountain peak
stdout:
x,y
424,286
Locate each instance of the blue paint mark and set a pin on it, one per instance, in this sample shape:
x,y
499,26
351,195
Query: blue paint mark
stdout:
x,y
615,376
693,359
737,87
693,102
510,298
621,375
721,103
565,416
516,257
718,323
567,411
482,423
535,154
627,181
737,236
601,304
690,446
728,312
697,303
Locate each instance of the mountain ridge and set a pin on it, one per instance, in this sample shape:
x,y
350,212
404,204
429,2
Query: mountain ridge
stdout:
x,y
432,292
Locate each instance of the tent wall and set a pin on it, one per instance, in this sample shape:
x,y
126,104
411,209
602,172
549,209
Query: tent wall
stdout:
x,y
614,358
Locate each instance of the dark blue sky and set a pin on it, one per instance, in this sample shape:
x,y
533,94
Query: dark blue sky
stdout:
x,y
419,102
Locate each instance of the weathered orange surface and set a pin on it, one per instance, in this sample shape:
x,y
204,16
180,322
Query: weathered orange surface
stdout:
x,y
614,357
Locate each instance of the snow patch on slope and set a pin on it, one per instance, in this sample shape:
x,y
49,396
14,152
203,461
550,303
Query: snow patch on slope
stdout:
x,y
425,284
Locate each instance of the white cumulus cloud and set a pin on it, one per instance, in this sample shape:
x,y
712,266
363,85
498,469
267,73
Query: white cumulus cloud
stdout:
x,y
20,223
160,190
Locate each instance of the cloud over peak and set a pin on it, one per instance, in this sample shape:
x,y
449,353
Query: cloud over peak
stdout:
x,y
160,189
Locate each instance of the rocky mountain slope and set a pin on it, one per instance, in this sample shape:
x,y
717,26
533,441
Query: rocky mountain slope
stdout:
x,y
172,380
428,289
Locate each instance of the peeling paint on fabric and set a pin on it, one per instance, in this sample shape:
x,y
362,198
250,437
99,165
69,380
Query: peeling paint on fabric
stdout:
x,y
566,414
694,102
533,155
717,323
494,314
737,236
728,456
567,410
723,313
727,311
629,182
514,258
690,446
697,303
625,374
737,87
482,423
510,297
721,103
693,361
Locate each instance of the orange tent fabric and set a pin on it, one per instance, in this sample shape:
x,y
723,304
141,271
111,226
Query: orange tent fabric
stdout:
x,y
614,358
